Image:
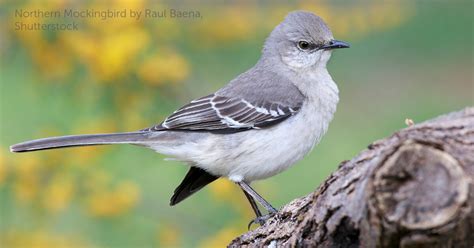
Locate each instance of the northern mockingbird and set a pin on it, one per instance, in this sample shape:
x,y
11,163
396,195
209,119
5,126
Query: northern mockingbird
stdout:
x,y
258,125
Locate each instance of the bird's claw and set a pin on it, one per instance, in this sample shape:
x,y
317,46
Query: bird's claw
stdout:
x,y
261,219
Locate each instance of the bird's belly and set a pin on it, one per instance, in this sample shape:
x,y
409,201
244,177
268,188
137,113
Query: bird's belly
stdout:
x,y
258,154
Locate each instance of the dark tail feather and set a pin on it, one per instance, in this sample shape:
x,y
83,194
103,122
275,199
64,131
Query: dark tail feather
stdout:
x,y
195,180
80,140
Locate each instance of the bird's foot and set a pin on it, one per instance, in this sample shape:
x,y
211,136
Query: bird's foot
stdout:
x,y
260,220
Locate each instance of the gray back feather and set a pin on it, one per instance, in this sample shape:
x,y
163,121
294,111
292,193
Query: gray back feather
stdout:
x,y
262,85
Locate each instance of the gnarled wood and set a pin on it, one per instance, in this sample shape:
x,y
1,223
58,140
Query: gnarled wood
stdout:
x,y
413,189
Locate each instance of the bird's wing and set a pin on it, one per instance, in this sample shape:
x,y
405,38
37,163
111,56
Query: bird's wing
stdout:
x,y
223,113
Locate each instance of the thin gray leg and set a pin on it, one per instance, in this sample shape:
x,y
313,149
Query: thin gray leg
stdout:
x,y
253,204
245,187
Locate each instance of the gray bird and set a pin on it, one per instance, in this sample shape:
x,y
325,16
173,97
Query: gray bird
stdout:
x,y
258,125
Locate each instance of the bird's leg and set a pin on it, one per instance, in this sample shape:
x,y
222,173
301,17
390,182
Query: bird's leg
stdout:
x,y
252,195
246,188
253,204
255,208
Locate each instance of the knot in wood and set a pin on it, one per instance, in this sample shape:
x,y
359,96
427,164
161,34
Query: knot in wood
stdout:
x,y
420,187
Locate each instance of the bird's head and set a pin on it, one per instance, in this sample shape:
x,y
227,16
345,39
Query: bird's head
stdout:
x,y
302,41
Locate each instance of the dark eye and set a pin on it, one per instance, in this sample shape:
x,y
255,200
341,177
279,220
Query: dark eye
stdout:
x,y
303,45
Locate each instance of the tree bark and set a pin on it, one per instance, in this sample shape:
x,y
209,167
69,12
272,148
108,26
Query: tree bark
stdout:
x,y
412,189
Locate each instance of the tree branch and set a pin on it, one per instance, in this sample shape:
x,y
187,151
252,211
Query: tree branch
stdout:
x,y
413,189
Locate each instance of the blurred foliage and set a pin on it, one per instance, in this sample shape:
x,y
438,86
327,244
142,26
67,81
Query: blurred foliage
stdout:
x,y
408,59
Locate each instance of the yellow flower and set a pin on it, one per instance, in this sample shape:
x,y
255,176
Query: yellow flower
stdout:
x,y
3,167
117,50
127,194
134,121
115,24
223,189
49,55
361,18
26,182
227,192
108,56
113,203
322,9
58,193
221,239
100,204
132,102
168,236
164,67
53,61
229,24
40,239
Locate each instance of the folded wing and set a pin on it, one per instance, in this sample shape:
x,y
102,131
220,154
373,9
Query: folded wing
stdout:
x,y
222,113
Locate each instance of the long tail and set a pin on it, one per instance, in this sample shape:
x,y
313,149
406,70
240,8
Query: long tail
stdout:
x,y
81,140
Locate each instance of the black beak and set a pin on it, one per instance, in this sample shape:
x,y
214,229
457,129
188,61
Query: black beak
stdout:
x,y
335,44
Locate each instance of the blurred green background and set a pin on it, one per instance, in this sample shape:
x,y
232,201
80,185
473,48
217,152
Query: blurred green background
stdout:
x,y
409,59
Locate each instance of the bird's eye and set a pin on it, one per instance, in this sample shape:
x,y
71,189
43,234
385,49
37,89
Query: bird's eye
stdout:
x,y
303,45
